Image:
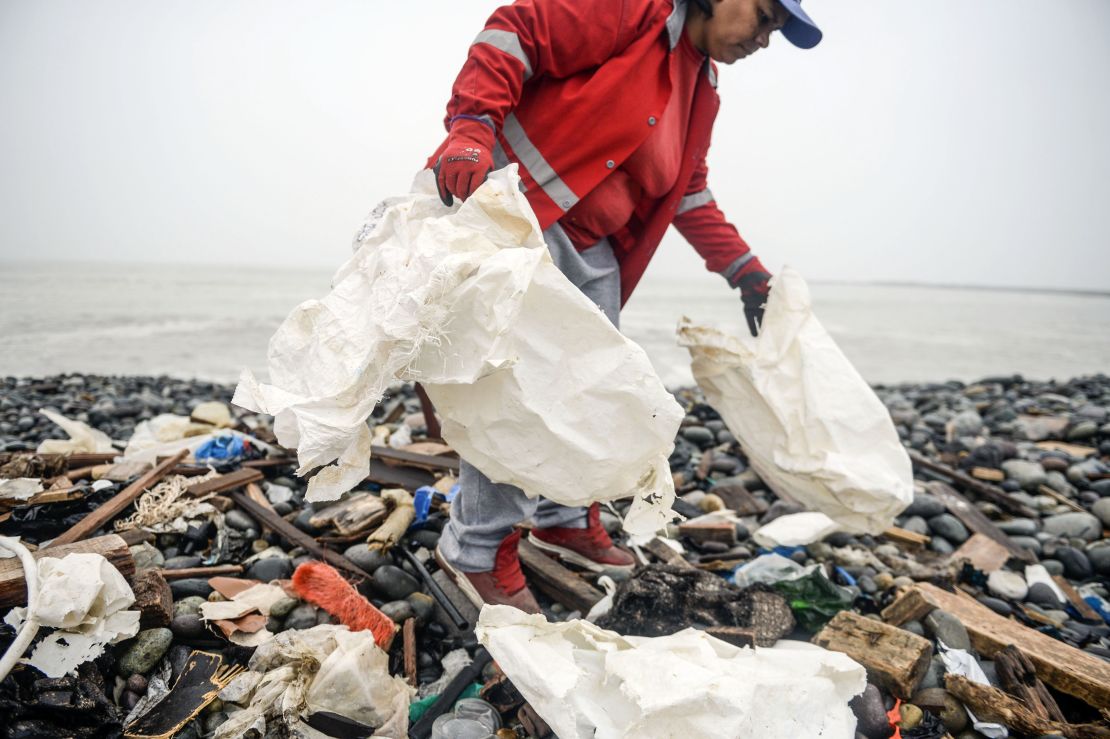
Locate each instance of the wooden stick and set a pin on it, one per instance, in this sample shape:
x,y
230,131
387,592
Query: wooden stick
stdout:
x,y
994,494
295,536
223,483
87,459
658,549
1020,680
112,507
991,704
13,588
431,423
1046,490
431,462
408,649
557,581
909,538
213,571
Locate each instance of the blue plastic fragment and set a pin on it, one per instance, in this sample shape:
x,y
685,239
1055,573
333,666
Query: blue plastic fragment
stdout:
x,y
452,493
1100,605
845,577
422,502
221,448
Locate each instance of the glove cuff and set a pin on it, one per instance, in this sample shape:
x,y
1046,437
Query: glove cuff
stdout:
x,y
472,130
751,273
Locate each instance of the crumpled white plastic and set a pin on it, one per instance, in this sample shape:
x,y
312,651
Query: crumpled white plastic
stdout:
x,y
534,385
85,598
587,682
20,488
83,439
167,433
325,668
810,425
961,662
795,529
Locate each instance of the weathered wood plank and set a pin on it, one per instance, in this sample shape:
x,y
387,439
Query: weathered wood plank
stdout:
x,y
153,599
1063,667
994,494
562,585
223,483
658,549
895,659
13,588
975,519
983,552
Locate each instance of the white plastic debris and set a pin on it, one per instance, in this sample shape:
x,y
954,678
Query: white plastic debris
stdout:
x,y
166,434
961,662
85,598
587,682
517,360
769,568
214,413
795,529
810,425
20,488
325,668
1038,573
83,439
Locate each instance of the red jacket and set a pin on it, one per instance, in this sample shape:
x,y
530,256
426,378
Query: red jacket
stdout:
x,y
572,88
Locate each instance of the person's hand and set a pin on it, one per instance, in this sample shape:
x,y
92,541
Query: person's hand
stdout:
x,y
466,161
754,283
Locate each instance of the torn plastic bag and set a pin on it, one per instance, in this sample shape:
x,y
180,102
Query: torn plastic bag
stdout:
x,y
585,682
795,529
535,386
961,662
810,425
325,668
85,598
82,437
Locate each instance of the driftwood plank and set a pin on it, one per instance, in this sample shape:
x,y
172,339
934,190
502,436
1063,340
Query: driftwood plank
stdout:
x,y
991,704
975,519
657,548
983,552
738,500
895,659
994,494
562,585
1065,668
13,588
430,462
398,477
213,571
230,481
112,507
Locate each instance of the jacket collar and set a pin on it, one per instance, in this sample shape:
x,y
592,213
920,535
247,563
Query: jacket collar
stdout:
x,y
676,21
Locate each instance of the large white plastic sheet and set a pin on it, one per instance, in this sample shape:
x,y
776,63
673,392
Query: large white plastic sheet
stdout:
x,y
534,385
810,425
587,682
85,598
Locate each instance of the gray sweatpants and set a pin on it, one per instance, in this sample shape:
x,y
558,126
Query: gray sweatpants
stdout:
x,y
484,512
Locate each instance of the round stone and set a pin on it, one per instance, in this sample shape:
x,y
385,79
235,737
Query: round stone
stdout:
x,y
1006,584
398,610
366,558
949,527
270,568
1001,607
871,720
145,651
1018,527
1074,526
238,520
1076,564
188,605
943,626
1101,508
699,435
423,607
1042,595
190,586
282,608
394,583
924,505
1029,475
1099,558
187,626
301,617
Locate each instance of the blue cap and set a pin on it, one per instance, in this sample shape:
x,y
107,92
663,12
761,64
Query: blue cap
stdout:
x,y
800,29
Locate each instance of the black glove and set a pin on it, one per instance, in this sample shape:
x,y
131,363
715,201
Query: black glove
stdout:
x,y
754,283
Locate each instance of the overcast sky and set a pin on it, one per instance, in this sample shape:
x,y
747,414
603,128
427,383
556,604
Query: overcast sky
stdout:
x,y
944,141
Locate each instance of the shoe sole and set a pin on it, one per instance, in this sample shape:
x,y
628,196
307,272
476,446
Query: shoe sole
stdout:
x,y
460,581
574,558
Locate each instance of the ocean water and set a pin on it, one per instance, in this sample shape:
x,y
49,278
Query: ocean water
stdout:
x,y
210,322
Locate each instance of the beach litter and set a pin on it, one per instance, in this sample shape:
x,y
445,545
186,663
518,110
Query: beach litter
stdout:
x,y
1005,562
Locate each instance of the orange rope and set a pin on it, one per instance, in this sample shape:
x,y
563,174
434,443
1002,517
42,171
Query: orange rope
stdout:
x,y
321,584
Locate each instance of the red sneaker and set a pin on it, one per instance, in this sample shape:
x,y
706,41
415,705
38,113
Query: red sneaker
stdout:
x,y
503,585
590,547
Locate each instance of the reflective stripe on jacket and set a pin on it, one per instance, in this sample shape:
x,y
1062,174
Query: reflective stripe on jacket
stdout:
x,y
572,88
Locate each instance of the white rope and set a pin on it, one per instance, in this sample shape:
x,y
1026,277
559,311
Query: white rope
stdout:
x,y
31,623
